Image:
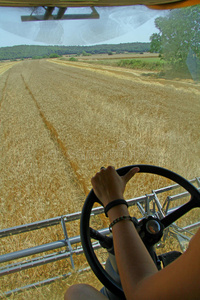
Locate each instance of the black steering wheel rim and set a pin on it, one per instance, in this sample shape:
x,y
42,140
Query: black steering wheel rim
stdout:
x,y
97,268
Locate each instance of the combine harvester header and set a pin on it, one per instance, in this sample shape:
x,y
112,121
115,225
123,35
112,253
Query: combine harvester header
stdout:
x,y
70,247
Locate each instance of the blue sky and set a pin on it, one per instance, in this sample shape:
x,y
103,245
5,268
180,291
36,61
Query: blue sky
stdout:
x,y
116,25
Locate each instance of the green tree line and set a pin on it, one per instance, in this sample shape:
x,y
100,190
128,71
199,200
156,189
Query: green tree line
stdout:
x,y
178,39
31,51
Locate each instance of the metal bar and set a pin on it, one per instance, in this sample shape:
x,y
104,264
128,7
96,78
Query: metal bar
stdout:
x,y
81,16
54,221
134,201
76,216
44,248
9,269
67,241
189,227
48,13
166,203
173,198
41,283
61,13
15,264
159,206
147,205
32,251
181,195
173,186
172,209
38,225
35,285
37,249
198,181
141,209
60,16
28,265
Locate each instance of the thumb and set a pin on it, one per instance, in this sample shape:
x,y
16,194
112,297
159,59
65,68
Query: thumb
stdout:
x,y
130,174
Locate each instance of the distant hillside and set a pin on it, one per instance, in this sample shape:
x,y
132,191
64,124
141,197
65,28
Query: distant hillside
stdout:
x,y
26,51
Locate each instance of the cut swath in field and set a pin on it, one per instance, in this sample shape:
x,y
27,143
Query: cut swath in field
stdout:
x,y
37,180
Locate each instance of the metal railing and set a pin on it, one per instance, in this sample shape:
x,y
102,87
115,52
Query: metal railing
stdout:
x,y
147,204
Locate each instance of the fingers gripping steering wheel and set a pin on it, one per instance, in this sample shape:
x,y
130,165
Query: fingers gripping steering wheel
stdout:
x,y
97,268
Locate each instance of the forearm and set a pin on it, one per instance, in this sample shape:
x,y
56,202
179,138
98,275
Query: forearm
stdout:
x,y
133,260
139,276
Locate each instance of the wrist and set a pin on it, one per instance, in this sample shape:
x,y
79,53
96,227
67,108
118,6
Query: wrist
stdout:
x,y
118,211
109,198
114,203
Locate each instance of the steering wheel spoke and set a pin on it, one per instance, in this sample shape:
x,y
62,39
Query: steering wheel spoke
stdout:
x,y
105,241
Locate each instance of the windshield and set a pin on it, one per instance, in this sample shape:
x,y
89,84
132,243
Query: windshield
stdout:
x,y
118,89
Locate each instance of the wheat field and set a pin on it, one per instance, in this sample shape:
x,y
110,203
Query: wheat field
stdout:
x,y
60,122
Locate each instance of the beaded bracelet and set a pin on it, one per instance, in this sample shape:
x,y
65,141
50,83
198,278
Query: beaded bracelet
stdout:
x,y
120,219
114,203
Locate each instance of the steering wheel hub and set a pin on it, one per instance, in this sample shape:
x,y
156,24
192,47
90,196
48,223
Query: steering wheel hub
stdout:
x,y
153,227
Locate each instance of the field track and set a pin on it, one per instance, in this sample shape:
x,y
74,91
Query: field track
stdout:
x,y
61,121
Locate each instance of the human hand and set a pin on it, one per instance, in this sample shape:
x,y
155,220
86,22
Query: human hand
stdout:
x,y
109,186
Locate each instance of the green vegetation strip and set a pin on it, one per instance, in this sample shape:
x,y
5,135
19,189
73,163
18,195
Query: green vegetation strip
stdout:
x,y
154,64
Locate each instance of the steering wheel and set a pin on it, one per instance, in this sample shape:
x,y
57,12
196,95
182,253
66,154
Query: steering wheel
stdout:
x,y
95,265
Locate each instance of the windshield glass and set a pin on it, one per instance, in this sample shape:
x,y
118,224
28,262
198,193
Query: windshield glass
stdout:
x,y
119,86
